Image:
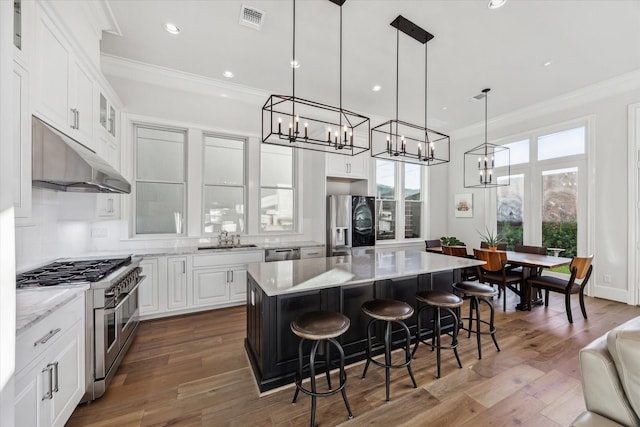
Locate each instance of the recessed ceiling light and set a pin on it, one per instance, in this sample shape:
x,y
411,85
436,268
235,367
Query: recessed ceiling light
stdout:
x,y
376,88
546,64
445,108
228,74
295,64
171,28
494,4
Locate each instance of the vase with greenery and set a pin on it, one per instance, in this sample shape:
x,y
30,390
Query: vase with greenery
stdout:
x,y
451,241
492,239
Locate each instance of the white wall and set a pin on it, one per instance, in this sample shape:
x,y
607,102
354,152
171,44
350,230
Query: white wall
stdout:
x,y
609,243
7,252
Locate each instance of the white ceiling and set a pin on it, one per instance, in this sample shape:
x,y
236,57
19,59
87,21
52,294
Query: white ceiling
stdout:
x,y
474,47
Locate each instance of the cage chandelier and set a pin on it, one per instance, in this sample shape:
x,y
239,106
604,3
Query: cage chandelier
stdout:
x,y
480,161
300,123
402,141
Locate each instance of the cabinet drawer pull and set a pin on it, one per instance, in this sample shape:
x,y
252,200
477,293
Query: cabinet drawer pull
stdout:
x,y
55,376
49,393
313,253
47,337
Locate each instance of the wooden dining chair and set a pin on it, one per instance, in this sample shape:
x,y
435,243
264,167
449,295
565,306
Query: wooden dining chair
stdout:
x,y
468,273
500,247
432,243
581,269
539,250
495,272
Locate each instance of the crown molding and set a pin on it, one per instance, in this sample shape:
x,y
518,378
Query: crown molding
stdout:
x,y
103,18
173,79
603,89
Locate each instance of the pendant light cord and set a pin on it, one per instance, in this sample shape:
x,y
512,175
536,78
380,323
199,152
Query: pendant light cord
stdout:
x,y
339,130
294,63
397,78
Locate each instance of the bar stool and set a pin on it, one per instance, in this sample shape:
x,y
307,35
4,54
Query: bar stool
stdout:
x,y
320,327
478,292
439,300
389,311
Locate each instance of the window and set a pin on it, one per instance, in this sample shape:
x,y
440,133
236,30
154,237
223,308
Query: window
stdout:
x,y
160,180
543,203
385,200
398,181
412,200
277,198
224,185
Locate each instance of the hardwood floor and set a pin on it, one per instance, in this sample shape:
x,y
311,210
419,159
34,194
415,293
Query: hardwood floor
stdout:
x,y
192,371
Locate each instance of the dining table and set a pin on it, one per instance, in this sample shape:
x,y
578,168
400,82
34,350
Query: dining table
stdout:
x,y
530,263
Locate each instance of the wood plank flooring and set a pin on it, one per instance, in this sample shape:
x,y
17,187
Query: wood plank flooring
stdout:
x,y
192,371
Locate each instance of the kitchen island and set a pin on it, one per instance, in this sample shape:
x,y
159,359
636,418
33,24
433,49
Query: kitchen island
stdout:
x,y
278,292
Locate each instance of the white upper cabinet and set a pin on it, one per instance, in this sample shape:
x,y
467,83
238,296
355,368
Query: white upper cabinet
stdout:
x,y
63,93
353,167
51,82
81,103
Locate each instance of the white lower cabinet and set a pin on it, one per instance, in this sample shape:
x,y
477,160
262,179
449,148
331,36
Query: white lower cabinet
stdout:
x,y
177,286
50,378
210,286
149,295
189,283
219,285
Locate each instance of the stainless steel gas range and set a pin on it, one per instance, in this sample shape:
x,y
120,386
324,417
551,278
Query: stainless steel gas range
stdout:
x,y
112,309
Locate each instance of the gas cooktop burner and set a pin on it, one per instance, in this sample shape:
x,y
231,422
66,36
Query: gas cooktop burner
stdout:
x,y
63,272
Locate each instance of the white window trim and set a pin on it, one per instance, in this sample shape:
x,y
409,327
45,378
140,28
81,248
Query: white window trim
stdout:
x,y
244,186
134,189
399,178
295,184
588,160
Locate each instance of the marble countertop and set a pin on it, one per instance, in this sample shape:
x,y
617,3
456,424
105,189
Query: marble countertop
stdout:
x,y
34,304
282,277
193,250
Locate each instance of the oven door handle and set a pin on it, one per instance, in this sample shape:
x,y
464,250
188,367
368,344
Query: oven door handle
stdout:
x,y
108,311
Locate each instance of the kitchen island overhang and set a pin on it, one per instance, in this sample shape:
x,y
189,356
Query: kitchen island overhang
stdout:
x,y
278,292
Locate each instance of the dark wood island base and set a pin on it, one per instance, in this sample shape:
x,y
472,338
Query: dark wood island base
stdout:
x,y
272,347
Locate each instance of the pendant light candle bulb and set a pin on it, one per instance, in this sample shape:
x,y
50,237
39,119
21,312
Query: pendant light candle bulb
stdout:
x,y
279,125
290,129
432,150
345,132
329,135
297,123
350,138
419,151
306,130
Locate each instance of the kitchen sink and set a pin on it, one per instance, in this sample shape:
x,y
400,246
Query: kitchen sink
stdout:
x,y
236,246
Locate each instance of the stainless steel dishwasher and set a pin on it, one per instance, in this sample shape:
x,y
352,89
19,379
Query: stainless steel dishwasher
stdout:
x,y
281,254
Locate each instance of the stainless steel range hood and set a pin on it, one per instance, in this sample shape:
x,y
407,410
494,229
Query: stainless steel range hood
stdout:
x,y
63,164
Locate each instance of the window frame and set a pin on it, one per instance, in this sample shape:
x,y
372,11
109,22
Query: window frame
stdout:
x,y
185,183
295,228
532,234
400,201
244,186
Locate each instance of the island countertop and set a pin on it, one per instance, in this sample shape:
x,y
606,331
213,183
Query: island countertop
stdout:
x,y
282,277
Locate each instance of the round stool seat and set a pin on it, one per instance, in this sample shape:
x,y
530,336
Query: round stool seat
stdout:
x,y
387,309
475,289
320,325
439,298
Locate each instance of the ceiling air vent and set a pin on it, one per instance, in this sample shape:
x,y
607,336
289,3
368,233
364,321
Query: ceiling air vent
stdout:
x,y
251,17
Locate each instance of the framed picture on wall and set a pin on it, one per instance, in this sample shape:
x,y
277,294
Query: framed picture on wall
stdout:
x,y
463,204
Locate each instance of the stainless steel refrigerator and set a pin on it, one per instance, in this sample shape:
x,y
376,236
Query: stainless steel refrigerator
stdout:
x,y
351,223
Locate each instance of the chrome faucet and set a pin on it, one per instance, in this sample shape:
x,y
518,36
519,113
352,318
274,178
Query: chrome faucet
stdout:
x,y
223,238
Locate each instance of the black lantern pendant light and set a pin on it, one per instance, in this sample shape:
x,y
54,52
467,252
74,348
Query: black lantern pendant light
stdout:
x,y
480,161
299,123
402,141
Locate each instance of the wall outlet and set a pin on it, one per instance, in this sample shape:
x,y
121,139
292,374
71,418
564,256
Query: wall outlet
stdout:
x,y
99,232
606,278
